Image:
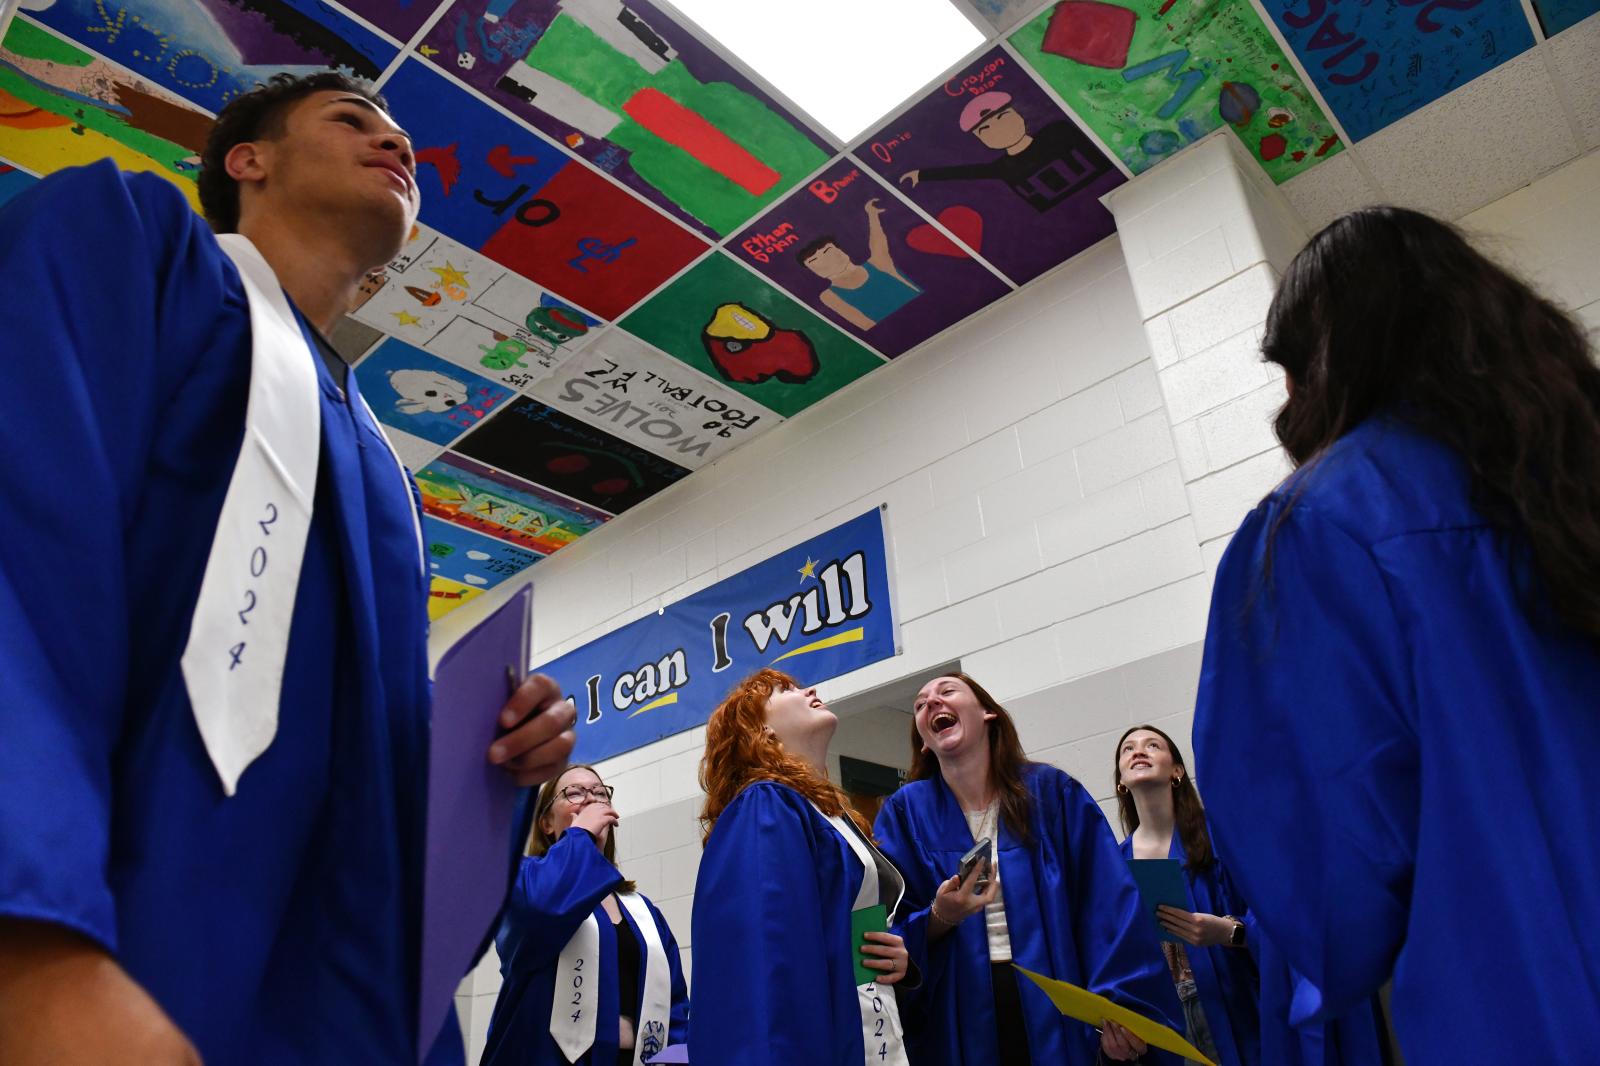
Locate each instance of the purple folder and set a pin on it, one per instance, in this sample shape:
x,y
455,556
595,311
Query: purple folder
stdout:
x,y
471,805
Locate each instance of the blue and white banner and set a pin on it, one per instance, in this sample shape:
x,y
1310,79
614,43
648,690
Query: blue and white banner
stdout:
x,y
818,610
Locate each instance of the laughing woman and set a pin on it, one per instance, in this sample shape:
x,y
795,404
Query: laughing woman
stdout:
x,y
787,866
1065,906
591,971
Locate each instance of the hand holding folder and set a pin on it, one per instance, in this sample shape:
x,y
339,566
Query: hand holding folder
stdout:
x,y
1086,1006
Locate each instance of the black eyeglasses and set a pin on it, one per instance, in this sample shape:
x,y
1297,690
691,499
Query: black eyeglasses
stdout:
x,y
577,793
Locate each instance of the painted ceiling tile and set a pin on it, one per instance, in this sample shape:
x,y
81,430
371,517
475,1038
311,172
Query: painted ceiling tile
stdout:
x,y
62,107
1151,76
462,555
1375,63
732,326
470,494
400,19
423,395
1004,14
210,51
414,452
13,181
500,189
630,390
536,443
638,96
1558,15
866,262
445,596
998,162
464,307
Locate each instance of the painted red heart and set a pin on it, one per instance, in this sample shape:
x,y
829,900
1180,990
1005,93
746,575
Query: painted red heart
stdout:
x,y
963,221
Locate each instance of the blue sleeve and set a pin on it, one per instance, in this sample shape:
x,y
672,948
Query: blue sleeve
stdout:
x,y
103,274
892,831
1235,904
1117,945
1303,729
678,1027
758,938
552,895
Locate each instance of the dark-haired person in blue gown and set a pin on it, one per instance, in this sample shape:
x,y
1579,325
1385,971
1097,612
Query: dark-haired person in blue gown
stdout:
x,y
1399,691
213,657
1061,902
591,972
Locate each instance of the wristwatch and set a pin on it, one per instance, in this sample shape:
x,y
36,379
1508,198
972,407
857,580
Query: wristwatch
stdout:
x,y
1236,937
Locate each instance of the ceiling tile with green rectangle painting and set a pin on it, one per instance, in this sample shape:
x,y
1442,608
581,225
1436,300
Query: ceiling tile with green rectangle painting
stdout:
x,y
728,323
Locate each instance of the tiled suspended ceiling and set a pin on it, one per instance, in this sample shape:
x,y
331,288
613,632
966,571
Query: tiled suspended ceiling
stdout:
x,y
634,255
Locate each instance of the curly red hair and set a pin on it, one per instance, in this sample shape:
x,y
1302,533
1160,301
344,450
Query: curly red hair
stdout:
x,y
741,751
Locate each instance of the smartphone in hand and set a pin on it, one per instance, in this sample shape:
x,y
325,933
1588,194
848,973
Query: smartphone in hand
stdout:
x,y
982,852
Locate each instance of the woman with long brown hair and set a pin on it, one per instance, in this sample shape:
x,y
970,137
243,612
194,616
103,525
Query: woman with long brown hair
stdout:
x,y
1206,945
1060,900
1399,693
590,968
789,881
1236,991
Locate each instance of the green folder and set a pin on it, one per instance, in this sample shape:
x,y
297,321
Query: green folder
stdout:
x,y
874,919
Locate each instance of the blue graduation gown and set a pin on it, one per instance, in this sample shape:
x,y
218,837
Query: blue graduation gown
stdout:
x,y
1355,1038
1395,758
552,895
1072,909
1226,978
281,924
774,963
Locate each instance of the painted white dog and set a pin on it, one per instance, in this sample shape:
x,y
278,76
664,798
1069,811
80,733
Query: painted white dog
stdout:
x,y
426,391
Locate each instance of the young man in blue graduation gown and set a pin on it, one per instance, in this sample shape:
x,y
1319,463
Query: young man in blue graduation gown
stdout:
x,y
170,884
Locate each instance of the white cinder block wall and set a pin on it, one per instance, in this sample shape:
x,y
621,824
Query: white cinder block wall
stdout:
x,y
1048,531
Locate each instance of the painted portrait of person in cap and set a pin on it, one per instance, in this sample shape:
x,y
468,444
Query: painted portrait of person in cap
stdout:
x,y
1043,168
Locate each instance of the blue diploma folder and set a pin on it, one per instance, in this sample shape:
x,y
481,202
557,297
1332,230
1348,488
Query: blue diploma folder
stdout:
x,y
1160,881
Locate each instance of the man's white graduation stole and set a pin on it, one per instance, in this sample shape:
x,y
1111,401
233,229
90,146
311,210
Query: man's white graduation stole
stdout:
x,y
572,1009
881,1036
233,662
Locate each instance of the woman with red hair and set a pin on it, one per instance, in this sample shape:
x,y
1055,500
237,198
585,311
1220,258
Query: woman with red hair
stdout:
x,y
789,876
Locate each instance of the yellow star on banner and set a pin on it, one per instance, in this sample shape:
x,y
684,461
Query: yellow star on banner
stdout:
x,y
428,52
808,570
449,275
406,318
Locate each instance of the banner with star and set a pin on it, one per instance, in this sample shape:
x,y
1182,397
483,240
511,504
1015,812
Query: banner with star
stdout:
x,y
816,611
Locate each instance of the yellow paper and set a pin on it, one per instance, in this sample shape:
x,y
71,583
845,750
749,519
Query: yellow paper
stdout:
x,y
1085,1006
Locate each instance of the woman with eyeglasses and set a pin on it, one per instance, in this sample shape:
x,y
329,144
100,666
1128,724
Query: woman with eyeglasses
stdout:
x,y
591,971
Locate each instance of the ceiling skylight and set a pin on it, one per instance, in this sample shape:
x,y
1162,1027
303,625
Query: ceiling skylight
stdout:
x,y
847,63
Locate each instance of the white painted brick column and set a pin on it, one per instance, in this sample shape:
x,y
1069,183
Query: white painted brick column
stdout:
x,y
1206,236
